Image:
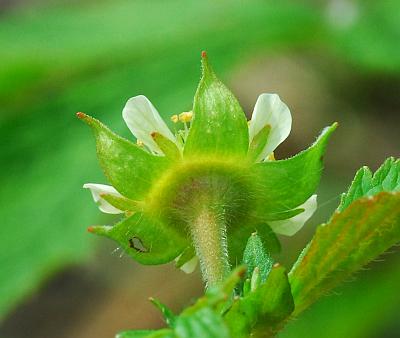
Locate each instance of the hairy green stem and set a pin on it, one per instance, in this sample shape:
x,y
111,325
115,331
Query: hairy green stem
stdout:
x,y
209,236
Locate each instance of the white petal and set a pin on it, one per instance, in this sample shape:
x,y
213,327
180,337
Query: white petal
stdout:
x,y
142,119
190,265
289,227
97,190
269,109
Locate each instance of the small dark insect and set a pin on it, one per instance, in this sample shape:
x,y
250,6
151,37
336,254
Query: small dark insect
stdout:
x,y
136,243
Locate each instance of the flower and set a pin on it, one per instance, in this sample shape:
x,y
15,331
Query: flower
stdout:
x,y
219,160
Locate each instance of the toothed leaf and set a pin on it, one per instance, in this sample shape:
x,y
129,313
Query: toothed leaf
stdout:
x,y
386,178
352,238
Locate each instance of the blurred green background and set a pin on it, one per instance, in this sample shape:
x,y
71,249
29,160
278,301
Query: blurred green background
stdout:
x,y
336,60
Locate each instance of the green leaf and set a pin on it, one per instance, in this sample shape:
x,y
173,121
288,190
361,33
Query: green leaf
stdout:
x,y
145,239
386,178
219,124
352,238
130,169
364,308
286,184
255,256
264,310
168,315
204,323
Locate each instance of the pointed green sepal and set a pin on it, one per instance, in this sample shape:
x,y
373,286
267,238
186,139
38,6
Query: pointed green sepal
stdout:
x,y
122,203
129,169
286,184
145,239
258,143
168,147
219,125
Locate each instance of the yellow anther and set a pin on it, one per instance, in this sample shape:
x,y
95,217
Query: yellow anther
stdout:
x,y
186,116
175,118
140,143
271,157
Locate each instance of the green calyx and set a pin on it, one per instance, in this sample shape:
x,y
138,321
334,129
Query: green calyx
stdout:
x,y
203,191
187,186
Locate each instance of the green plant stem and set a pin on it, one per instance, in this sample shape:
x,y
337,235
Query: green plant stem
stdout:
x,y
209,236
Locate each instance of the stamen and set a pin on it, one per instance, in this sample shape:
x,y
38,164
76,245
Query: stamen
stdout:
x,y
139,143
186,116
175,118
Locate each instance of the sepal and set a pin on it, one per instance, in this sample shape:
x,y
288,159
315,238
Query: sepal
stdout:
x,y
145,239
219,125
122,203
258,143
130,169
286,184
169,148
